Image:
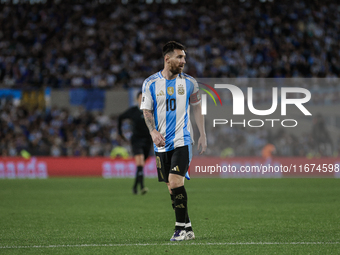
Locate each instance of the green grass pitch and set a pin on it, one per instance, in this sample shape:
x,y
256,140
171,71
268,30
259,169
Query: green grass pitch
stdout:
x,y
229,216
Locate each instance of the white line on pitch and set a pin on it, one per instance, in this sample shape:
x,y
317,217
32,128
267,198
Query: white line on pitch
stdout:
x,y
164,244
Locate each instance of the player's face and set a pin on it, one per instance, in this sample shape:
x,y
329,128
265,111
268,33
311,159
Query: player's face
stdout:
x,y
177,61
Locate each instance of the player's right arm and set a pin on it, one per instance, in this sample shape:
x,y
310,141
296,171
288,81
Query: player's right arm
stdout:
x,y
157,137
148,112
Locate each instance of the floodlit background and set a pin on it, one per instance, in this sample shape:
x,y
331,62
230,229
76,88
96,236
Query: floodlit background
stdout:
x,y
68,68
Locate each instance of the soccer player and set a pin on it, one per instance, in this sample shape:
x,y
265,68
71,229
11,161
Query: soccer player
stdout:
x,y
167,96
140,141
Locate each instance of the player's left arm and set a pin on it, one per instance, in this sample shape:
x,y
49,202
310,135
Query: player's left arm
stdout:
x,y
199,119
195,101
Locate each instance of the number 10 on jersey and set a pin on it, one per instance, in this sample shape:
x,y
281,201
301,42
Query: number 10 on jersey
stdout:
x,y
171,104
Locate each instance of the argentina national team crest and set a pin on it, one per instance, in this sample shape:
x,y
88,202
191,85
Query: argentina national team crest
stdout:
x,y
181,90
170,91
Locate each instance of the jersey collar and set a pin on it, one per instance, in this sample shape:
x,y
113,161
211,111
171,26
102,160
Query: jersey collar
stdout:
x,y
180,75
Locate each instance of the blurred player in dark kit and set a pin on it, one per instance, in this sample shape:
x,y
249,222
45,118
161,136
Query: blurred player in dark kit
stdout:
x,y
140,141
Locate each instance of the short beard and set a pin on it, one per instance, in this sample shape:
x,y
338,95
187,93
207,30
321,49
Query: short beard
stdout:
x,y
175,70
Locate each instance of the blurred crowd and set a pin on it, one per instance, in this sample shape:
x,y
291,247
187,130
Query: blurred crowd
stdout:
x,y
225,141
58,133
110,45
55,132
324,91
86,44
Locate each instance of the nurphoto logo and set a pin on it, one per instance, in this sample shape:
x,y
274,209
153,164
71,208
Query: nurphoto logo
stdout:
x,y
302,96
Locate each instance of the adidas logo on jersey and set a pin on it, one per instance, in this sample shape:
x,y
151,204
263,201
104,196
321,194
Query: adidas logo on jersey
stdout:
x,y
161,93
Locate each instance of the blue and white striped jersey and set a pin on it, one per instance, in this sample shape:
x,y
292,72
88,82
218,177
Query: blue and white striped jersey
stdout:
x,y
170,101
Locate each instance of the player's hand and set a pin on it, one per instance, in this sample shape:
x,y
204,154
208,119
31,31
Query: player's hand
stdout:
x,y
157,138
202,143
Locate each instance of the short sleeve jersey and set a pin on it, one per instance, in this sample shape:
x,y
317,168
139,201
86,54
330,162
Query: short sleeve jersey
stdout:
x,y
170,102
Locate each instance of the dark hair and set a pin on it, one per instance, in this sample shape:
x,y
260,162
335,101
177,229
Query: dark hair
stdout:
x,y
139,93
171,46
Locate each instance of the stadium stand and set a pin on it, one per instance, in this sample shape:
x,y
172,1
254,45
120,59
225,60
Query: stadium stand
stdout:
x,y
86,44
111,45
58,133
